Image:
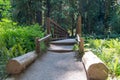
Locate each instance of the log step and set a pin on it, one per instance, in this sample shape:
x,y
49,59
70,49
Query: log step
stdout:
x,y
64,42
60,48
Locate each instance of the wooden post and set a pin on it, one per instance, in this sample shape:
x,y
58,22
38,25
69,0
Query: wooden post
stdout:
x,y
48,26
37,48
81,46
47,42
78,29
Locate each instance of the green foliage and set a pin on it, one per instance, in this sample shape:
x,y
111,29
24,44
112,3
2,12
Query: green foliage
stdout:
x,y
16,40
108,50
76,47
26,11
4,8
65,13
43,47
99,16
115,20
96,43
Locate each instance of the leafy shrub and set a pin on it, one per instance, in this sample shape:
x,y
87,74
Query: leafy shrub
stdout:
x,y
108,51
16,40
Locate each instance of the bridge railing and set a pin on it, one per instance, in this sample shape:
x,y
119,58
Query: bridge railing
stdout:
x,y
56,30
38,42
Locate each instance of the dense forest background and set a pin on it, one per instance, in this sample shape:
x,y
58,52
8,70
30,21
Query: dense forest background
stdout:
x,y
21,21
98,16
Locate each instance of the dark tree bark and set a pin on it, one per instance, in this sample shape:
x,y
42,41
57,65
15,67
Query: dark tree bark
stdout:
x,y
39,17
73,25
106,16
39,14
48,8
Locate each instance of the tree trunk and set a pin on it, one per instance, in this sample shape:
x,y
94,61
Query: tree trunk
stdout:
x,y
73,24
18,64
39,13
107,8
96,69
59,19
48,8
39,17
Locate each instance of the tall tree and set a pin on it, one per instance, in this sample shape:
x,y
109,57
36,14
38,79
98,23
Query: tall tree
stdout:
x,y
48,6
25,11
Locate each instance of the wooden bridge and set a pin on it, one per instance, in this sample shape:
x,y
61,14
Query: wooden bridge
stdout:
x,y
59,62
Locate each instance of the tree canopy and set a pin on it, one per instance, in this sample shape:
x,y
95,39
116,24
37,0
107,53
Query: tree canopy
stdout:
x,y
98,16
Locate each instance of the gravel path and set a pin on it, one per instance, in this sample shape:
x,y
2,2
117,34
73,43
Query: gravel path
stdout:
x,y
55,66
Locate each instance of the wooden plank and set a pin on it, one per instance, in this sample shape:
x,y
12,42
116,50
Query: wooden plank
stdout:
x,y
45,38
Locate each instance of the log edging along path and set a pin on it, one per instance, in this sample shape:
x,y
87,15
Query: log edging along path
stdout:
x,y
95,68
55,66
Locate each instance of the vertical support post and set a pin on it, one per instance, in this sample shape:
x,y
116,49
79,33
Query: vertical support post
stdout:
x,y
79,34
78,29
48,26
81,46
37,46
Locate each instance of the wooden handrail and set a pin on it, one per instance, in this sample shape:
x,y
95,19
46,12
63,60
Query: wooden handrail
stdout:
x,y
56,30
44,38
37,43
53,22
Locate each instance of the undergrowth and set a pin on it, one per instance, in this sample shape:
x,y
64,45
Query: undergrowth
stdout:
x,y
108,50
16,40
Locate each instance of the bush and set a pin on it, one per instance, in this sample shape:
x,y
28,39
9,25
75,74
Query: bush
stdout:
x,y
16,40
108,51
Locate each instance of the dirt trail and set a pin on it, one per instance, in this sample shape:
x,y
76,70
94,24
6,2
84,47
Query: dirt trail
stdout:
x,y
55,66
